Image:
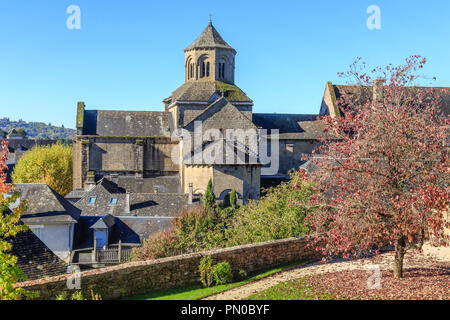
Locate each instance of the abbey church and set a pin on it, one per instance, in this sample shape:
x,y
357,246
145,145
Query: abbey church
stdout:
x,y
135,148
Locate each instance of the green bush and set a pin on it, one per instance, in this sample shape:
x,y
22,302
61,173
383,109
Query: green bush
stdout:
x,y
209,199
192,230
242,274
77,295
222,273
233,199
62,296
279,214
206,270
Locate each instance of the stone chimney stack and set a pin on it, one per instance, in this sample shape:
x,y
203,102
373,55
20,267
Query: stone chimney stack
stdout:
x,y
90,181
127,203
378,90
191,189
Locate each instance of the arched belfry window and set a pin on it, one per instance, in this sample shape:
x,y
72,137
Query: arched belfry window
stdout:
x,y
203,67
189,68
221,70
202,71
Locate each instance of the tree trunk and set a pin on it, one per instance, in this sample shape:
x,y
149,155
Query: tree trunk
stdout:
x,y
400,249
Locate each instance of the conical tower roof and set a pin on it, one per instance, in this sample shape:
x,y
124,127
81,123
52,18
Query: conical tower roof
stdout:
x,y
209,38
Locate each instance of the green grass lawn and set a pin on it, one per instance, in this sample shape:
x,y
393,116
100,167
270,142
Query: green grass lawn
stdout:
x,y
291,290
196,292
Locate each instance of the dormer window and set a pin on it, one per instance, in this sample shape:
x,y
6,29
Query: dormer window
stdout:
x,y
92,200
113,201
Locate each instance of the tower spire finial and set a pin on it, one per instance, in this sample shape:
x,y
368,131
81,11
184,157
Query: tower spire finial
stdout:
x,y
210,19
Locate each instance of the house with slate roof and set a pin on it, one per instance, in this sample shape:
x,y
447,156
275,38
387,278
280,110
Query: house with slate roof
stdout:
x,y
34,258
50,217
113,215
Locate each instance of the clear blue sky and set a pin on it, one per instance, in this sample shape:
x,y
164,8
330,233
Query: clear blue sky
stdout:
x,y
129,54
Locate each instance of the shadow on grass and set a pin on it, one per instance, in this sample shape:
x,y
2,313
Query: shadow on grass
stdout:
x,y
197,291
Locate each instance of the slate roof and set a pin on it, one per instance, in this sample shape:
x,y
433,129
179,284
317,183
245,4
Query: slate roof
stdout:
x,y
207,91
163,184
74,195
157,204
444,92
34,258
130,230
105,222
221,114
45,204
209,38
140,204
126,123
291,126
26,144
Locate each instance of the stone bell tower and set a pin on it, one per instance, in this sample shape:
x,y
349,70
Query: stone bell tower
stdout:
x,y
209,58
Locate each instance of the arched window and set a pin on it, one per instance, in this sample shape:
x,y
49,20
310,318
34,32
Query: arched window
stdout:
x,y
223,70
226,200
207,69
202,69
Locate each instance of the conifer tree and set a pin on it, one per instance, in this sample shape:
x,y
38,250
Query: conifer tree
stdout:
x,y
209,198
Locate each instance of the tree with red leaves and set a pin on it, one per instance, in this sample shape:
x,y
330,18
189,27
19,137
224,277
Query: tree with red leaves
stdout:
x,y
383,178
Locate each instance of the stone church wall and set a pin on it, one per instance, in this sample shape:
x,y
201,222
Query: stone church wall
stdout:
x,y
130,155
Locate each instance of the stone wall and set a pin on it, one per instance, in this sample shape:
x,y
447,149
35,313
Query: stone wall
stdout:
x,y
136,278
140,156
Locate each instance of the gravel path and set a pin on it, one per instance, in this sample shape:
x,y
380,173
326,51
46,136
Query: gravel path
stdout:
x,y
384,261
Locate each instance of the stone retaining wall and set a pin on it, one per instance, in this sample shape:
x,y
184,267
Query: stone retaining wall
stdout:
x,y
136,278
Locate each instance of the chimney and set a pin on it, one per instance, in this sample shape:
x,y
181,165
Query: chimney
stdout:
x,y
90,181
114,177
378,90
191,188
127,203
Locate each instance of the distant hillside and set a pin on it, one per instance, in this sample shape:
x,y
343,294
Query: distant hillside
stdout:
x,y
38,130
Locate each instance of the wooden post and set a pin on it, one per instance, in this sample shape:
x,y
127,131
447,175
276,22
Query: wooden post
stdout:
x,y
120,251
94,258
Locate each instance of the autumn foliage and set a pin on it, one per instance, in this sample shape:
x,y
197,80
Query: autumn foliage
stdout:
x,y
383,178
10,226
46,164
